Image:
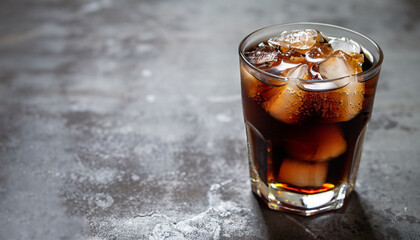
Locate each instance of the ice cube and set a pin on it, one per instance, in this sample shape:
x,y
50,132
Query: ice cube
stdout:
x,y
336,66
299,72
297,39
287,60
303,173
317,144
262,54
254,88
345,45
318,53
346,102
281,66
341,64
342,104
288,99
250,84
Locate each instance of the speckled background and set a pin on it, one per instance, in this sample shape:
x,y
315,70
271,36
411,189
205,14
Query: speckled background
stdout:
x,y
123,120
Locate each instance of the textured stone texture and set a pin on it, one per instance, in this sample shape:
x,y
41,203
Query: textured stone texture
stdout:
x,y
122,120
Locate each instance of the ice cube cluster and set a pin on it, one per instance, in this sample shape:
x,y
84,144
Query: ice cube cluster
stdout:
x,y
324,57
307,55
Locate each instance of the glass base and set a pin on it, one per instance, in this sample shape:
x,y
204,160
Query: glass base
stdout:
x,y
299,203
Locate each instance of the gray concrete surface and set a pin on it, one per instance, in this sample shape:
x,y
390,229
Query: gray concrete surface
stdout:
x,y
122,120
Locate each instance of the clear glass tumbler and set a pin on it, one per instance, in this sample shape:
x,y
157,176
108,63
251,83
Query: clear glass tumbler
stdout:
x,y
305,136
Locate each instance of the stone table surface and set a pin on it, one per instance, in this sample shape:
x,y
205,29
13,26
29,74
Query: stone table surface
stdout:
x,y
122,119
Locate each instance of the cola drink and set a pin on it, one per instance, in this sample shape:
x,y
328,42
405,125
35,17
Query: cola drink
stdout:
x,y
307,94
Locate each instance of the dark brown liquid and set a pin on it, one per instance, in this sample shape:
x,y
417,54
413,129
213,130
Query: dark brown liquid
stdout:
x,y
274,144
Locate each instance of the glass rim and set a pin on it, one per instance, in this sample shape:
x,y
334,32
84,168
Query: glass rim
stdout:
x,y
373,68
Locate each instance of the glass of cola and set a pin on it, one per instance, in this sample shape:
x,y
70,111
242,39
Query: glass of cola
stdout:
x,y
307,95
